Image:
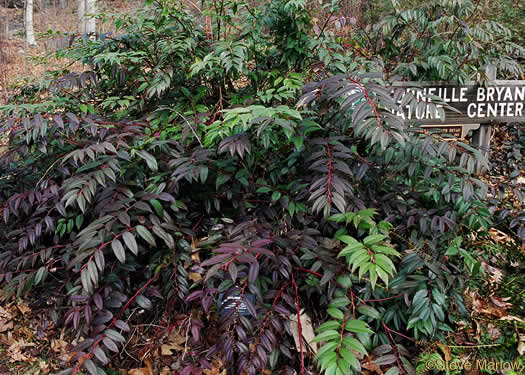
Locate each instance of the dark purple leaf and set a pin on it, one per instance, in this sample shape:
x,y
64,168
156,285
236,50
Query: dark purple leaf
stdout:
x,y
110,344
216,259
82,345
253,273
122,325
98,301
100,355
194,295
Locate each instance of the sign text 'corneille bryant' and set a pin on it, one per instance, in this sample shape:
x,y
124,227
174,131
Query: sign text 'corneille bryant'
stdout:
x,y
502,101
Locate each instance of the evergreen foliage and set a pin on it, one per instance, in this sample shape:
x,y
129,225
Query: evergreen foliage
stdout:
x,y
253,157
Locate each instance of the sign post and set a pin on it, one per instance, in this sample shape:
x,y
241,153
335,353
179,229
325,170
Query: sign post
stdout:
x,y
481,137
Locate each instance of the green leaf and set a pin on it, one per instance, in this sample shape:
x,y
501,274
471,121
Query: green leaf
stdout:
x,y
373,239
369,311
385,263
354,344
118,250
157,206
385,250
349,357
336,313
328,347
392,371
339,302
326,335
79,220
40,275
357,326
452,250
373,275
329,325
144,302
221,179
130,242
203,173
146,235
351,249
345,281
150,160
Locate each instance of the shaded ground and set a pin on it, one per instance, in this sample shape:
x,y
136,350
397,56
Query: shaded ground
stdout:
x,y
18,61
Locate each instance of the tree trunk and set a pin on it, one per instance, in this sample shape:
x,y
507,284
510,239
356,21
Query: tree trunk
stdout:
x,y
86,19
28,23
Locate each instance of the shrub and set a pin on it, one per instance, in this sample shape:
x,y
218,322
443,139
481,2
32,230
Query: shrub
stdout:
x,y
149,178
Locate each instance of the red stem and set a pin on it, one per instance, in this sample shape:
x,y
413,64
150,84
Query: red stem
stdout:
x,y
330,173
392,344
130,301
387,298
309,271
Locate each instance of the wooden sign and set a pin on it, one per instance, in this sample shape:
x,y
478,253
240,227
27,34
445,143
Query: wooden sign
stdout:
x,y
499,101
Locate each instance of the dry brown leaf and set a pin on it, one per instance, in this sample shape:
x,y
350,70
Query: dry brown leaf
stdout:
x,y
499,236
58,346
479,330
166,349
195,277
44,367
446,351
307,331
70,356
511,317
371,366
217,369
15,351
6,326
495,274
175,343
5,315
24,309
148,370
501,302
177,337
521,345
494,306
493,331
140,371
195,257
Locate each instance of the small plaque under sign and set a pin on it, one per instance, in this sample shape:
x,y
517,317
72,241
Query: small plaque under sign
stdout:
x,y
230,302
456,130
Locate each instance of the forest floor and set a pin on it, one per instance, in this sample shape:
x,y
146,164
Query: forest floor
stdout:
x,y
18,61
